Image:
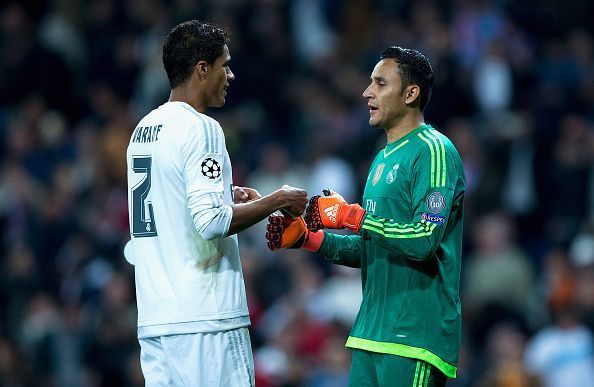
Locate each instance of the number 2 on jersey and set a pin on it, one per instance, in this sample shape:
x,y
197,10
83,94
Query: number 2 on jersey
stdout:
x,y
142,225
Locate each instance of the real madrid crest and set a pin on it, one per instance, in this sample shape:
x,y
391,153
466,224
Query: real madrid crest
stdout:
x,y
378,173
392,174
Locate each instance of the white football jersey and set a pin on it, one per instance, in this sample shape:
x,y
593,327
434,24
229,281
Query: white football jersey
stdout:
x,y
188,279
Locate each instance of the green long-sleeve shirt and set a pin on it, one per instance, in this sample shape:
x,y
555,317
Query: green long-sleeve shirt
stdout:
x,y
409,251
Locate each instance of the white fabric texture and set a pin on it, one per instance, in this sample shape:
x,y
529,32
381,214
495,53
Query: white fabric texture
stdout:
x,y
222,359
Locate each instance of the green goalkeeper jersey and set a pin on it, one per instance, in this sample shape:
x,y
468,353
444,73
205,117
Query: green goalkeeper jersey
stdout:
x,y
409,251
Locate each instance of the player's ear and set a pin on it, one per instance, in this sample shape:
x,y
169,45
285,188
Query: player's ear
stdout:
x,y
411,94
202,69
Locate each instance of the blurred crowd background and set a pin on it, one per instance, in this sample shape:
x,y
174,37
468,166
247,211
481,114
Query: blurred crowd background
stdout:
x,y
514,91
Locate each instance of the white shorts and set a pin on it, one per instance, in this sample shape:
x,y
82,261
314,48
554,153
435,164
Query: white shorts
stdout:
x,y
198,359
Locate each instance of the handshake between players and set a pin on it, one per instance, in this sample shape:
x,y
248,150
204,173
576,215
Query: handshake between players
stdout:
x,y
330,211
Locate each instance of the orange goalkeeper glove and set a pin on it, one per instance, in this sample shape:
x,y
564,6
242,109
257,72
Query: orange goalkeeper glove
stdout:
x,y
286,232
332,211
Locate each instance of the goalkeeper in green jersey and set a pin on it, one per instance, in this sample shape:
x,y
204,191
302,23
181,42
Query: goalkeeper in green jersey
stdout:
x,y
408,241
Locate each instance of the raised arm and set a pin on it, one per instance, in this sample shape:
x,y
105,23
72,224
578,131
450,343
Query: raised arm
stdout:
x,y
292,200
417,238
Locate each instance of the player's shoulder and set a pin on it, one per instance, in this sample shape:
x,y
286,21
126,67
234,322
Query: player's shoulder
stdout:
x,y
430,140
189,121
182,111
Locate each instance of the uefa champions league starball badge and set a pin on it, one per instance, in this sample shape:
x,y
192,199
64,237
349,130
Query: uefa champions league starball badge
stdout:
x,y
210,168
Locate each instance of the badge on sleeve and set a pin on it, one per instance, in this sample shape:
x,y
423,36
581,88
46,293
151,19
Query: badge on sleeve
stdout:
x,y
435,202
210,168
432,218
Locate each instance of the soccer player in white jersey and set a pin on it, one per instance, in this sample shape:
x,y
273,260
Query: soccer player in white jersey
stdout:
x,y
184,214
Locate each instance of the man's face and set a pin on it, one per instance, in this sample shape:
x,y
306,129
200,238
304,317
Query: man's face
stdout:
x,y
385,97
218,79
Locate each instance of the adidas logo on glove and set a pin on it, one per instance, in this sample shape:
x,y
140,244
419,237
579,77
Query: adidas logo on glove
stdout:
x,y
331,213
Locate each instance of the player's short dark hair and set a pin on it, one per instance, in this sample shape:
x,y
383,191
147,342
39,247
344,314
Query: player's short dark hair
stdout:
x,y
187,44
414,69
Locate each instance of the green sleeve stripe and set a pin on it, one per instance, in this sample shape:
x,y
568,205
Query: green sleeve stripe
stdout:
x,y
397,236
416,379
433,165
427,375
395,149
440,148
424,373
399,230
410,231
423,224
383,223
444,163
448,369
397,227
438,158
431,137
422,378
417,229
421,375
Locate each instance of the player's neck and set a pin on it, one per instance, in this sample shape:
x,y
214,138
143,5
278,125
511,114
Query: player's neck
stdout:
x,y
404,126
189,96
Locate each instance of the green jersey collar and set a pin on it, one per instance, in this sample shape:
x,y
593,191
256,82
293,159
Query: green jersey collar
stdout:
x,y
391,147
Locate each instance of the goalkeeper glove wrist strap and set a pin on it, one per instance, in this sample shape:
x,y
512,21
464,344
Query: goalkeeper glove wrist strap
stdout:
x,y
314,241
354,217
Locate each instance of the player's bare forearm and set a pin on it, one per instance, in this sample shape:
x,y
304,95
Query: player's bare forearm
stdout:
x,y
292,200
245,194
